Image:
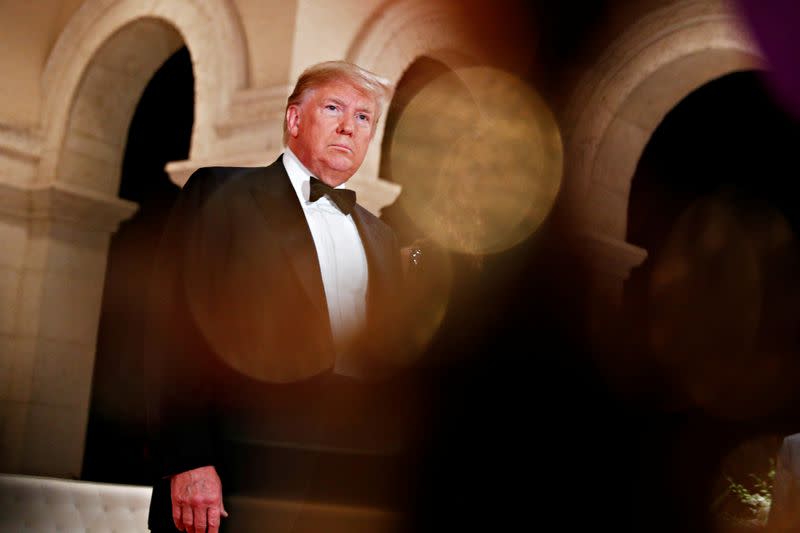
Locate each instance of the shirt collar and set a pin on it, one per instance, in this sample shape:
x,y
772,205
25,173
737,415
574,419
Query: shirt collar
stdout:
x,y
299,175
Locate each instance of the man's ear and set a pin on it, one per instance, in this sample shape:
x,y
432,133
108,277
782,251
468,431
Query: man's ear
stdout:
x,y
292,120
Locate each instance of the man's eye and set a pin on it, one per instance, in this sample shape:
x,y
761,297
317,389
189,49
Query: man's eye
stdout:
x,y
330,107
363,117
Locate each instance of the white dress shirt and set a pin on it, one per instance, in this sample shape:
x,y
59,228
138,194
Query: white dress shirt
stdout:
x,y
342,261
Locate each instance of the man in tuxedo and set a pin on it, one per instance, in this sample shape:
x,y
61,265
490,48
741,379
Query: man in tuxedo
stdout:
x,y
270,280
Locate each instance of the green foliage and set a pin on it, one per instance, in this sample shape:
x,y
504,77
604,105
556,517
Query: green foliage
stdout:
x,y
755,497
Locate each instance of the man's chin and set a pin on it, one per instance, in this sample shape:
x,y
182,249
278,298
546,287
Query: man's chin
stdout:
x,y
342,166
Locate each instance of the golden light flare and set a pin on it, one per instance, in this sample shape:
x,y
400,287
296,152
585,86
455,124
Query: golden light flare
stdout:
x,y
480,158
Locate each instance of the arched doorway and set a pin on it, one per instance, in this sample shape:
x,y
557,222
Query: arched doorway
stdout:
x,y
712,311
160,132
618,104
92,81
712,203
78,184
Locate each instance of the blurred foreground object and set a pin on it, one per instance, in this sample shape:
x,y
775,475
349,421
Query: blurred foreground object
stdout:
x,y
774,25
784,514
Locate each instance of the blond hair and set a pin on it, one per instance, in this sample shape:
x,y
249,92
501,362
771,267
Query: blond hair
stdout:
x,y
321,74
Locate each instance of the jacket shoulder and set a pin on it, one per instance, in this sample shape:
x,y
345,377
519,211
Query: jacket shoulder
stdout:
x,y
206,180
209,178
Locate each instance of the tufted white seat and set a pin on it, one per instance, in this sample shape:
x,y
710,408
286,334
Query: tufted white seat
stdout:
x,y
41,504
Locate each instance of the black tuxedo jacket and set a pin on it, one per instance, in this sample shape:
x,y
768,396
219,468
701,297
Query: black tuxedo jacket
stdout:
x,y
240,347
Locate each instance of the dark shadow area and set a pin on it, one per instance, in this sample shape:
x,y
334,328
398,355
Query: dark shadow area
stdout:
x,y
523,430
160,132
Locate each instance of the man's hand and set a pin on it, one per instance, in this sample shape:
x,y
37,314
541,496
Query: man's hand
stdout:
x,y
197,500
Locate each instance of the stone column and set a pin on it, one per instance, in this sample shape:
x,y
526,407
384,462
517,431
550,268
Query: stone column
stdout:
x,y
54,242
611,261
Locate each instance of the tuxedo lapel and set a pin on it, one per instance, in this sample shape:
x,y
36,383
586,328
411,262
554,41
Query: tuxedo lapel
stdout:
x,y
377,259
287,225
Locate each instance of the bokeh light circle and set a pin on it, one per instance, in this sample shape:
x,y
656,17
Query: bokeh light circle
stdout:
x,y
480,158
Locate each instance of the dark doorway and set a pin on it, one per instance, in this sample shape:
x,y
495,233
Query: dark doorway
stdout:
x,y
160,132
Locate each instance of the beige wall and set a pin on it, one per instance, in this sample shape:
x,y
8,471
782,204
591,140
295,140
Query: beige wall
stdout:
x,y
269,27
29,30
325,30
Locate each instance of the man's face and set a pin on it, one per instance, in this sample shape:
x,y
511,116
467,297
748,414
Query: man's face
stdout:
x,y
330,130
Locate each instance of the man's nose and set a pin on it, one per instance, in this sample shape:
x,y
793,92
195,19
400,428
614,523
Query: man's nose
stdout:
x,y
346,126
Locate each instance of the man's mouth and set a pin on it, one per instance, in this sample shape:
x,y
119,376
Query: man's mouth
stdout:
x,y
342,148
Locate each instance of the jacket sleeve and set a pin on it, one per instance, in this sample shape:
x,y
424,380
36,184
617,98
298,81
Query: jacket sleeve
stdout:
x,y
180,413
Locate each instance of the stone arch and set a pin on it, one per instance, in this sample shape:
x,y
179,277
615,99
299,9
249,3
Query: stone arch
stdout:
x,y
619,103
400,32
78,66
90,156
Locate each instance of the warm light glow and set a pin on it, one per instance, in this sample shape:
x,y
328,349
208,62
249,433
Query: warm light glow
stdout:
x,y
479,155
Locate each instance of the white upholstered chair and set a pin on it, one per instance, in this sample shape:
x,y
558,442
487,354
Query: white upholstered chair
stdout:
x,y
42,504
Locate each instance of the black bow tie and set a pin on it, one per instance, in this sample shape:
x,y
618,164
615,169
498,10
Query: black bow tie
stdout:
x,y
343,198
